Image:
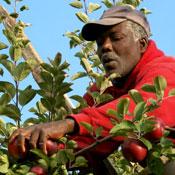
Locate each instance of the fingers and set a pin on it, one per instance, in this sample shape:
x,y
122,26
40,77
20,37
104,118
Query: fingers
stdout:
x,y
15,134
42,141
21,144
37,135
38,139
34,138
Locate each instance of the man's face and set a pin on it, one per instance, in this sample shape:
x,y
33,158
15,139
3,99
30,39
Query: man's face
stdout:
x,y
118,50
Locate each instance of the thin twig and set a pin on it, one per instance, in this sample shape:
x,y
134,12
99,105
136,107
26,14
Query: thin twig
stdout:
x,y
85,7
93,145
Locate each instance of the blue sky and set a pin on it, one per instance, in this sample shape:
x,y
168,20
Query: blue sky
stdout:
x,y
50,19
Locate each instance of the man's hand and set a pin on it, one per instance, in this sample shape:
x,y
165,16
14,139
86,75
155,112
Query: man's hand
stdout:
x,y
37,135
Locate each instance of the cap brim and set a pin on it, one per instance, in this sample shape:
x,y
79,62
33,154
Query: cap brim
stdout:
x,y
92,30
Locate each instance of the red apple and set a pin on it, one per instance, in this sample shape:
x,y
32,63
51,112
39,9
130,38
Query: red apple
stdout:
x,y
38,170
134,150
52,147
14,151
157,132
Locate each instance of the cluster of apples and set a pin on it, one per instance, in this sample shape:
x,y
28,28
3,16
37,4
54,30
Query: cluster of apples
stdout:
x,y
134,150
51,146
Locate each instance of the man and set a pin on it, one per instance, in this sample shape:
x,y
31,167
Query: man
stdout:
x,y
122,36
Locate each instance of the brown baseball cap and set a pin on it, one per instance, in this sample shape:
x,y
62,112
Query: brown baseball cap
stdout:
x,y
112,16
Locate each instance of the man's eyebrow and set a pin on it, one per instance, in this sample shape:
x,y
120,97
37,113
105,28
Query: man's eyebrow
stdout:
x,y
116,33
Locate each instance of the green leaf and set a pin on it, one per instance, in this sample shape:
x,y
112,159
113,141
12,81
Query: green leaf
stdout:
x,y
9,35
125,125
139,111
25,42
10,111
160,84
112,112
1,72
5,99
78,75
146,142
48,104
70,154
146,126
80,161
107,3
98,131
165,143
64,65
74,37
23,169
93,7
104,85
171,92
103,98
14,15
71,144
30,121
24,7
15,53
87,126
3,56
96,61
8,65
134,3
82,17
79,55
57,59
148,88
64,88
47,67
4,164
7,1
156,166
79,99
153,105
26,95
21,71
3,46
76,4
122,107
145,11
89,48
7,87
40,154
46,76
62,158
135,95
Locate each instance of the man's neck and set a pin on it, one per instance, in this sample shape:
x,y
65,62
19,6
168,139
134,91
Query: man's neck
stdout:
x,y
119,82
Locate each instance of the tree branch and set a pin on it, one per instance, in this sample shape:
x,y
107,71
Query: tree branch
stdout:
x,y
93,145
29,53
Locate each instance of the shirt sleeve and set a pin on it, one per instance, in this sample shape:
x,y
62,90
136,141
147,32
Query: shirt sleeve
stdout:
x,y
97,116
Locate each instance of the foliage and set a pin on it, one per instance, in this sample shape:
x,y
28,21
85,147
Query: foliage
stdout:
x,y
52,104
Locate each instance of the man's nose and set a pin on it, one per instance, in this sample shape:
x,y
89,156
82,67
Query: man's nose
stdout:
x,y
107,45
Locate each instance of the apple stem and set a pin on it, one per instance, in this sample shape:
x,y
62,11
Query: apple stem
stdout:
x,y
169,128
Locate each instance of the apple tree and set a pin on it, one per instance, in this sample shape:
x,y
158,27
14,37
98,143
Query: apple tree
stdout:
x,y
146,148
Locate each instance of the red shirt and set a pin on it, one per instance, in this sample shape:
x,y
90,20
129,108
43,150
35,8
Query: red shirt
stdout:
x,y
153,63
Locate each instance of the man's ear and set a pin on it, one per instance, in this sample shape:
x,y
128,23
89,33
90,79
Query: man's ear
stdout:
x,y
143,44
